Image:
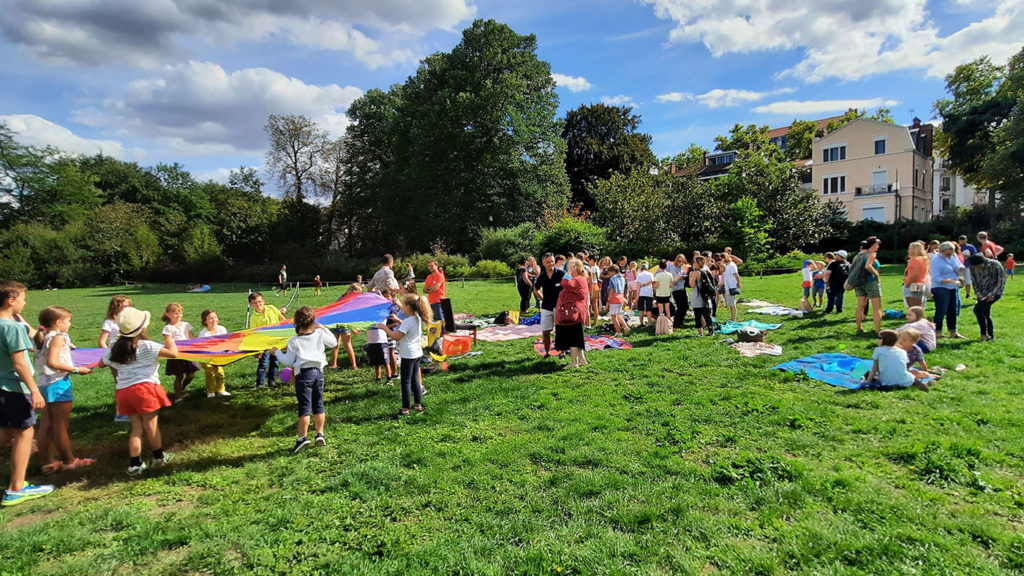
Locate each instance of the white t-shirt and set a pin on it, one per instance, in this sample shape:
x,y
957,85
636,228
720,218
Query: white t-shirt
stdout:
x,y
731,273
307,350
44,374
411,345
179,332
892,366
146,367
216,331
808,273
643,278
112,330
595,274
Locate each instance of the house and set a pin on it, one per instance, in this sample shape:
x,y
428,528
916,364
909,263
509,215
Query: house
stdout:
x,y
716,165
951,192
780,136
879,171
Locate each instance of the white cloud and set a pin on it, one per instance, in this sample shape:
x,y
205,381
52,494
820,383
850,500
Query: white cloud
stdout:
x,y
618,100
198,108
145,33
674,97
219,175
722,97
33,130
807,107
573,83
843,39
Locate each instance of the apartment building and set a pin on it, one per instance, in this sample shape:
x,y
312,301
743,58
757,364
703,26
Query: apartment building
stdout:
x,y
951,192
879,171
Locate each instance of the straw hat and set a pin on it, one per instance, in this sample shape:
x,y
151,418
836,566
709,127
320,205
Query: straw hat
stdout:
x,y
132,321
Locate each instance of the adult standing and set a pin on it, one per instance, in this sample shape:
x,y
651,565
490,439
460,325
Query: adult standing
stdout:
x,y
967,250
702,293
571,310
385,277
871,289
945,269
532,272
680,270
915,275
547,287
987,247
836,273
524,285
989,281
282,280
436,287
732,283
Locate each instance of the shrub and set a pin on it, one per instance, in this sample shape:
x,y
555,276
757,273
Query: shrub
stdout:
x,y
793,260
571,235
507,245
455,265
491,269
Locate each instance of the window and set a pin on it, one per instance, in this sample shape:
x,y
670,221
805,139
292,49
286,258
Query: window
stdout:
x,y
944,187
918,182
880,146
833,184
834,153
945,203
876,213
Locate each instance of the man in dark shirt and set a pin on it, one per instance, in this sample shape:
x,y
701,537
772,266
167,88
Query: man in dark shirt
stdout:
x,y
547,287
968,250
835,279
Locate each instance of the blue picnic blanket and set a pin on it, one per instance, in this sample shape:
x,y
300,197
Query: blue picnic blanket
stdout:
x,y
835,369
730,326
890,313
531,320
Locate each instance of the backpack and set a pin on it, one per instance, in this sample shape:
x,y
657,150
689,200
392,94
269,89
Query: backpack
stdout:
x,y
857,276
706,286
663,325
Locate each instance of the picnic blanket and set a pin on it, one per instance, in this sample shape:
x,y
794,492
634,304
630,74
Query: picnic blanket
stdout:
x,y
835,369
531,320
777,310
893,314
593,343
731,327
751,349
757,303
508,332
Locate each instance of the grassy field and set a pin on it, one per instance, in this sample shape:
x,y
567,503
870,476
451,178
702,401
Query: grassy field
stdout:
x,y
675,457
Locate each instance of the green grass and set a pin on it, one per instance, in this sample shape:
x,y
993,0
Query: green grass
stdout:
x,y
675,457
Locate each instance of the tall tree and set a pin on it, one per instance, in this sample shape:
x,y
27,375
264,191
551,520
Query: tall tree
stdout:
x,y
743,138
296,143
800,139
693,156
602,140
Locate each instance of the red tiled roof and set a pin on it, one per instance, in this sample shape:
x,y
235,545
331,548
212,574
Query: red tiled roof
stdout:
x,y
777,132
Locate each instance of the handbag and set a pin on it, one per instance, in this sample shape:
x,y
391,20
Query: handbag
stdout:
x,y
734,291
567,314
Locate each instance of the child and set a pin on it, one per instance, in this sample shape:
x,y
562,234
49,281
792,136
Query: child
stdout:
x,y
175,329
19,395
109,332
139,393
663,289
317,285
631,285
305,353
808,278
1010,263
54,367
344,336
378,352
214,374
908,340
410,336
818,284
264,315
917,321
645,293
616,299
890,365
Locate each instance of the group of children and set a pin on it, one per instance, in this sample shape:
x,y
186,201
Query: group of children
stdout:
x,y
899,359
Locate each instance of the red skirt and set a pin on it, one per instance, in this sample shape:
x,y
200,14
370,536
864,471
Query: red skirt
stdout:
x,y
142,398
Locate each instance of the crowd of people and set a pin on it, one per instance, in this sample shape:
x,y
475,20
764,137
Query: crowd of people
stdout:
x,y
572,292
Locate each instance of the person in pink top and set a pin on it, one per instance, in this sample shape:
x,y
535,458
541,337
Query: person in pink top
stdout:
x,y
915,275
987,247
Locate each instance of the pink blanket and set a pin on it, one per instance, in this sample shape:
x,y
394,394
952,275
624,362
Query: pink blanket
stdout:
x,y
508,332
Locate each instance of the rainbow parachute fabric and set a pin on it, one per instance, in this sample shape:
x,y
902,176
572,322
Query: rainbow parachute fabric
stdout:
x,y
351,311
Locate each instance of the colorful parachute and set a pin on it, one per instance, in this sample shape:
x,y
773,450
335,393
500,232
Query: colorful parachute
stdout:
x,y
351,311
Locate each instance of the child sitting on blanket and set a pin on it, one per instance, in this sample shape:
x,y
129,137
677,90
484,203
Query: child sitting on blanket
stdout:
x,y
917,321
890,365
908,343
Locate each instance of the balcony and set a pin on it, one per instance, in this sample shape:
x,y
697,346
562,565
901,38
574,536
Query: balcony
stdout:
x,y
873,190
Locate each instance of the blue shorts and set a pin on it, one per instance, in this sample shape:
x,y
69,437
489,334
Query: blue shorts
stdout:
x,y
309,391
339,330
1010,272
16,410
59,391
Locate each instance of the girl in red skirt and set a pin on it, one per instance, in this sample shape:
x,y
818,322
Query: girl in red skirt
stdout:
x,y
139,393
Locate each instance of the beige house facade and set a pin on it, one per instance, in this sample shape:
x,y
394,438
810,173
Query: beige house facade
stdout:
x,y
879,171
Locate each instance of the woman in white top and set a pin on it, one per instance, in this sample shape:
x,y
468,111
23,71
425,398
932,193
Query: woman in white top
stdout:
x,y
409,336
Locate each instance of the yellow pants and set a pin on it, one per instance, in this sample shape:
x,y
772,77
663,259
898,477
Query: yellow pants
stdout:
x,y
214,378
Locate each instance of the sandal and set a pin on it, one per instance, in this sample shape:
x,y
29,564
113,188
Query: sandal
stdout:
x,y
418,408
403,412
79,463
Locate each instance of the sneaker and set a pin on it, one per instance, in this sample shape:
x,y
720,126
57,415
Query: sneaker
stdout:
x,y
158,462
300,445
27,492
423,390
211,395
224,393
319,440
136,470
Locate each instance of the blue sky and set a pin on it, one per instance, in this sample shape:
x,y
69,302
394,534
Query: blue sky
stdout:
x,y
192,81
